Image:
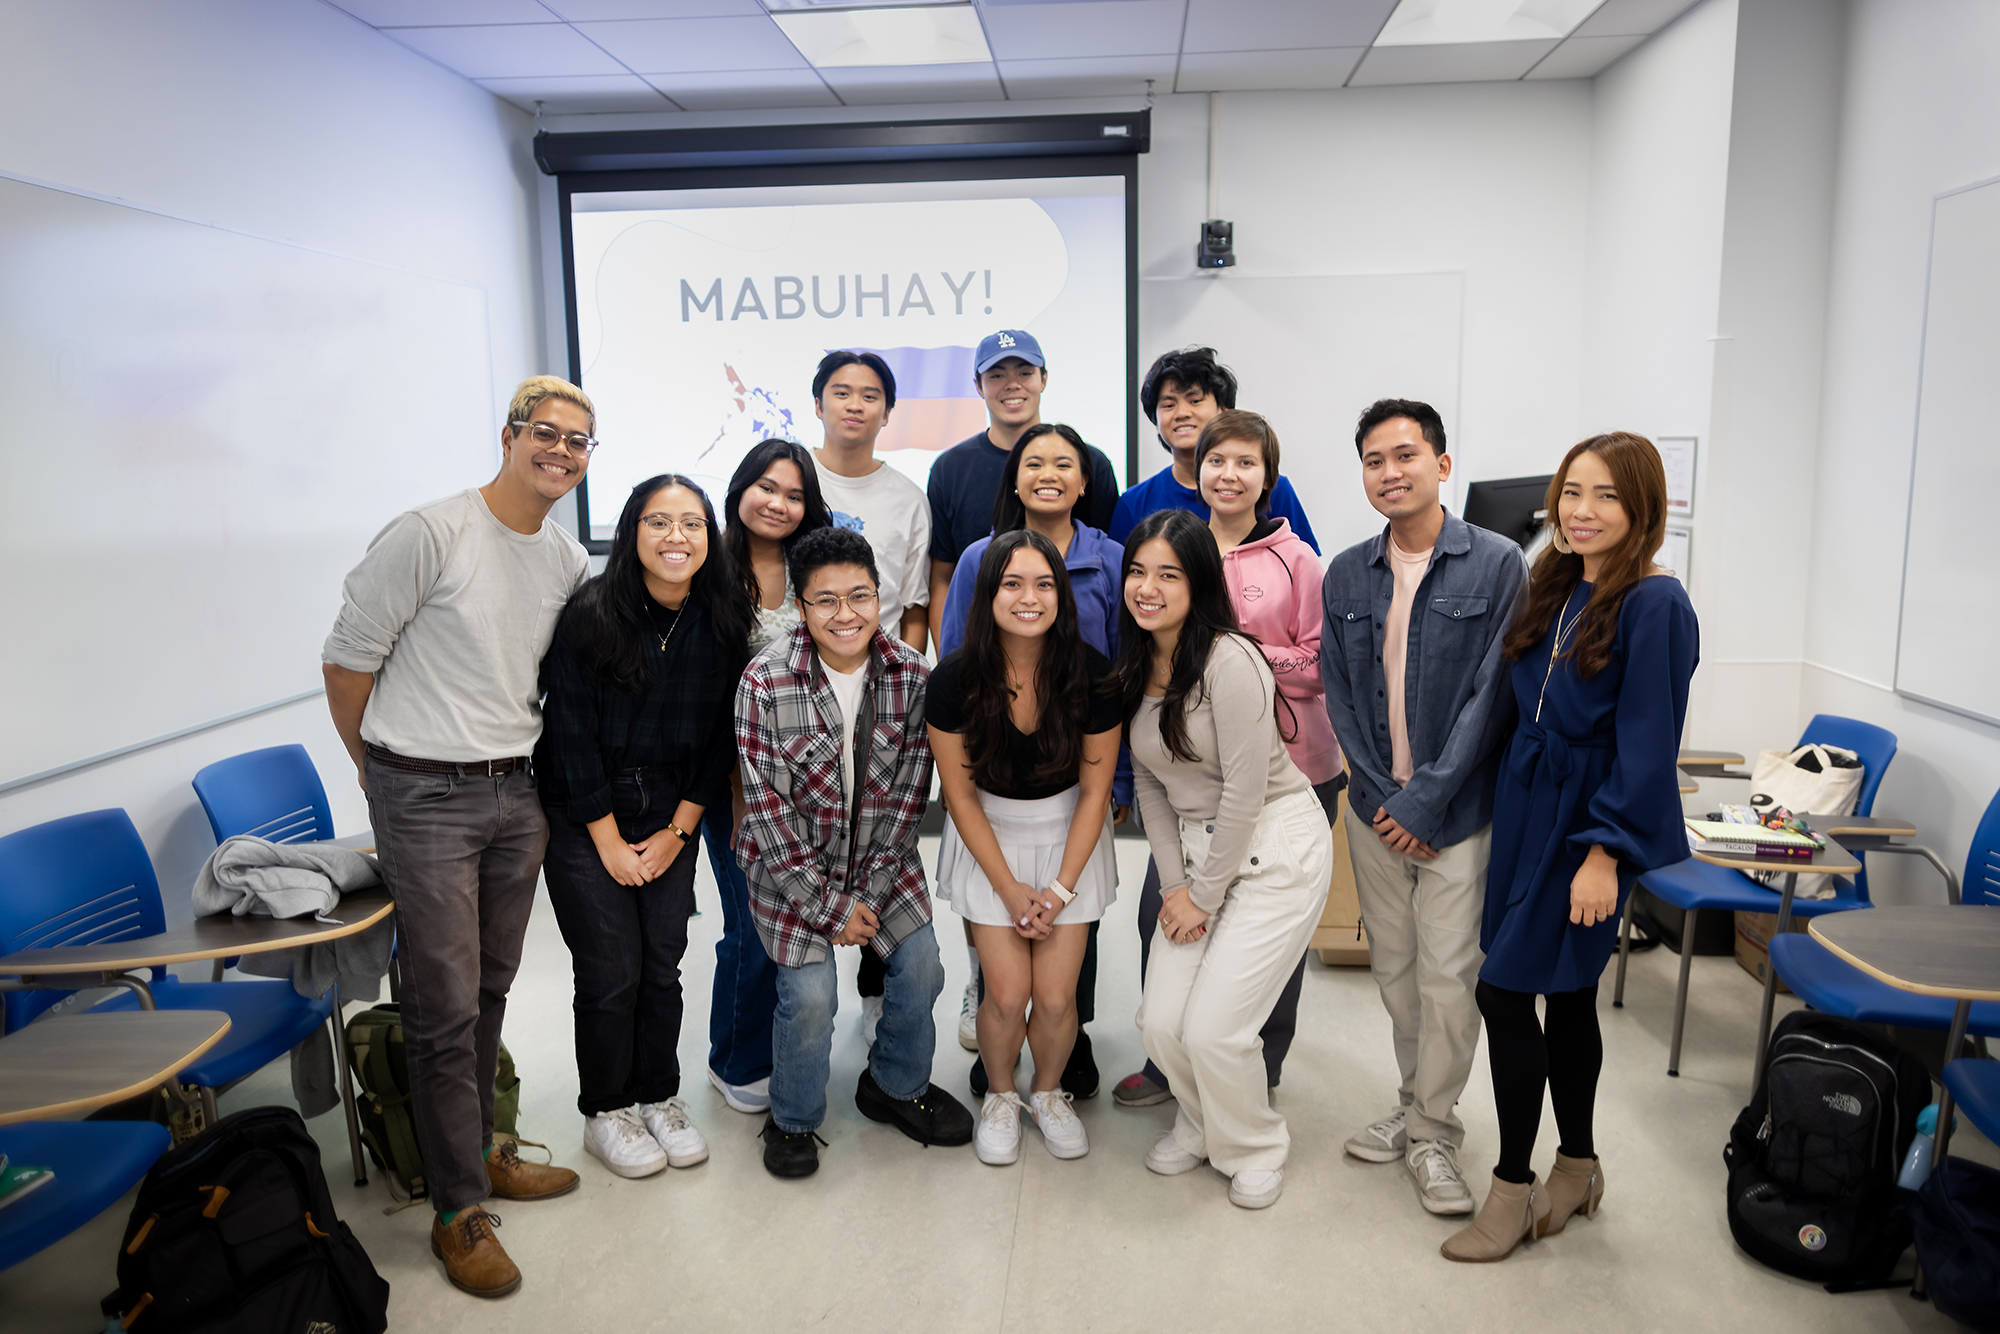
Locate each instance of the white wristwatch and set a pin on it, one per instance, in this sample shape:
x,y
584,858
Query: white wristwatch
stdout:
x,y
1062,892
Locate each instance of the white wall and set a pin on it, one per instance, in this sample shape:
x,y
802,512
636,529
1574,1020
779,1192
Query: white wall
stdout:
x,y
1921,116
1487,180
288,119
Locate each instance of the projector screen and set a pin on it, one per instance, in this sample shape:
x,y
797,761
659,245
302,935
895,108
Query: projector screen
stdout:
x,y
700,314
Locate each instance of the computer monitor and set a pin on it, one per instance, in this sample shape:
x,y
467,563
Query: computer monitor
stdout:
x,y
1509,506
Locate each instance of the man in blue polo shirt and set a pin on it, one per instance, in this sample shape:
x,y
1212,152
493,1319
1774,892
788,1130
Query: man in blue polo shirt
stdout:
x,y
1184,391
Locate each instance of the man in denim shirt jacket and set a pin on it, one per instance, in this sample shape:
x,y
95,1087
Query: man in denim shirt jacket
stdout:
x,y
1417,691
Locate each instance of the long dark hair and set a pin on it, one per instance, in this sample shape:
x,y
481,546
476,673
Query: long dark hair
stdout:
x,y
1210,615
1009,512
606,623
1641,479
1062,682
734,537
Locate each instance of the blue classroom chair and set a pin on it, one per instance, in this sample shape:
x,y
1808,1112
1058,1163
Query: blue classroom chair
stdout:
x,y
1830,984
95,1163
1974,1086
1695,886
273,793
87,880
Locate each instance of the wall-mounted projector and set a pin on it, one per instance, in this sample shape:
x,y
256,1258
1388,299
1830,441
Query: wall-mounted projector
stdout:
x,y
1217,247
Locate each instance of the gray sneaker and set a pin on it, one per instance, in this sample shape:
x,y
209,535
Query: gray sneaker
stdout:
x,y
1440,1185
1383,1142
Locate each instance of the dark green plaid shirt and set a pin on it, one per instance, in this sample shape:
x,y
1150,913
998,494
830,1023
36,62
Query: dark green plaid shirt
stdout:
x,y
683,724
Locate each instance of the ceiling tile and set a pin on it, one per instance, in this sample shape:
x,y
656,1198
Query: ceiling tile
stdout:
x,y
662,46
580,94
1092,76
1583,57
1276,25
1254,71
442,13
522,50
584,11
1095,28
863,85
1624,18
1449,62
745,90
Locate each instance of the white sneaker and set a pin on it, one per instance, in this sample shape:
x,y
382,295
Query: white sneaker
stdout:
x,y
968,1017
1169,1159
871,1018
1057,1120
999,1138
1440,1185
754,1097
1256,1190
668,1123
1383,1142
619,1141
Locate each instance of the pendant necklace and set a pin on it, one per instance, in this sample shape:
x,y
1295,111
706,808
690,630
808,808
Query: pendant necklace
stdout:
x,y
666,638
1556,647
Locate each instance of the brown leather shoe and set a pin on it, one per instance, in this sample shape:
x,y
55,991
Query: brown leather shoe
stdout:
x,y
513,1178
474,1260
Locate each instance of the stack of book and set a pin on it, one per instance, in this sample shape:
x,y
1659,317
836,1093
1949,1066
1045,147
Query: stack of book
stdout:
x,y
1750,840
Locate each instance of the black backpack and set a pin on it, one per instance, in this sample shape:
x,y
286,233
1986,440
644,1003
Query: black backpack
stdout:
x,y
235,1231
1813,1158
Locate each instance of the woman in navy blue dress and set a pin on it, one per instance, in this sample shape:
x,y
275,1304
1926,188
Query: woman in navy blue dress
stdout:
x,y
1602,649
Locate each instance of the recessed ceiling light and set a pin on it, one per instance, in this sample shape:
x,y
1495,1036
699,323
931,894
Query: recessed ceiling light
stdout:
x,y
1433,22
893,35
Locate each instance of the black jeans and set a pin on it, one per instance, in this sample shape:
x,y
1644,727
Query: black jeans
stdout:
x,y
625,947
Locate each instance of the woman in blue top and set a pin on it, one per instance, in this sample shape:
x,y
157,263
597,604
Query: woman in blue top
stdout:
x,y
1602,648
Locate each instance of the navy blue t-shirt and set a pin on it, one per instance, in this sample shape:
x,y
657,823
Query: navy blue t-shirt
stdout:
x,y
966,479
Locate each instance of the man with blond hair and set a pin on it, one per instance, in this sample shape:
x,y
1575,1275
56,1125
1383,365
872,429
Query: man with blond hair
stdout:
x,y
431,678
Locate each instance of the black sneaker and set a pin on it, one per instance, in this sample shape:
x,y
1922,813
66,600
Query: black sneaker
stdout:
x,y
978,1075
932,1117
787,1154
1079,1077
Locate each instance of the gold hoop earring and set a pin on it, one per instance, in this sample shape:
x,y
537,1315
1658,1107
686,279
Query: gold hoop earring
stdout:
x,y
1559,541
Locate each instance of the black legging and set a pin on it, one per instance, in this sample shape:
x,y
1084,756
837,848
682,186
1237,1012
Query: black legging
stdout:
x,y
1565,1057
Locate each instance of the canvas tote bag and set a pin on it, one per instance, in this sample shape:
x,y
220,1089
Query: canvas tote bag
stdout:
x,y
1812,780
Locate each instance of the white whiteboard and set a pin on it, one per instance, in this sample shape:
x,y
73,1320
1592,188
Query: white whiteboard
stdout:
x,y
1311,353
1948,643
202,430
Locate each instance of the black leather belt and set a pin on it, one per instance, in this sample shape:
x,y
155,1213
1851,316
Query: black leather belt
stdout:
x,y
487,768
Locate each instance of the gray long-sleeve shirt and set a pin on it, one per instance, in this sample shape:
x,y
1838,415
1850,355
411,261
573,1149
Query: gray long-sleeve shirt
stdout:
x,y
451,611
1454,684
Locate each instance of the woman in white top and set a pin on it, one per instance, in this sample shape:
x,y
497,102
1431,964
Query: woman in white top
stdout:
x,y
773,501
1025,729
1242,844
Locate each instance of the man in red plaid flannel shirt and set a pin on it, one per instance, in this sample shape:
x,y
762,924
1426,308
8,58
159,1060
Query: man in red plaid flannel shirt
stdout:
x,y
836,774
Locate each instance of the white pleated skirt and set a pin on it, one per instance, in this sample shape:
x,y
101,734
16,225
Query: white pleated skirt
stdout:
x,y
1032,837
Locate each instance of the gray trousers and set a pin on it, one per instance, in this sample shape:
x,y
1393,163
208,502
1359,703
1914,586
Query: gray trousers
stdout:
x,y
461,856
1423,948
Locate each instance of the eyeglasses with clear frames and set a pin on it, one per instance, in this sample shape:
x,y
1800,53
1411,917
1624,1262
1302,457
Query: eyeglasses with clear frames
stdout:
x,y
548,437
826,608
660,525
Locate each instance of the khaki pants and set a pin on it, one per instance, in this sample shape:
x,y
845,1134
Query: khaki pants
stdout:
x,y
1205,1002
1423,947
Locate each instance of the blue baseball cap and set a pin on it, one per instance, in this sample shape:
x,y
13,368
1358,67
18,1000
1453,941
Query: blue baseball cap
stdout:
x,y
997,347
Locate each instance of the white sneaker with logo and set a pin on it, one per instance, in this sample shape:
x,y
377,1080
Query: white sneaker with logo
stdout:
x,y
1384,1142
968,1017
1440,1185
619,1141
871,1018
1056,1118
668,1123
998,1141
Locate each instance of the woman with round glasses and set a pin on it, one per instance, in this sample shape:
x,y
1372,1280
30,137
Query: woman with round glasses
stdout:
x,y
636,746
773,500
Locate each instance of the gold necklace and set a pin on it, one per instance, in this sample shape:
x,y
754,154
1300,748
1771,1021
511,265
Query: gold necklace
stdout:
x,y
1556,646
668,636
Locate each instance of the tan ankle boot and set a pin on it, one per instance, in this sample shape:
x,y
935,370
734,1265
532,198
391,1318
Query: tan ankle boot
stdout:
x,y
1575,1187
1511,1215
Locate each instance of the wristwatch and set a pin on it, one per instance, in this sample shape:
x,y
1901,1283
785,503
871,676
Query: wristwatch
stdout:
x,y
1063,892
679,832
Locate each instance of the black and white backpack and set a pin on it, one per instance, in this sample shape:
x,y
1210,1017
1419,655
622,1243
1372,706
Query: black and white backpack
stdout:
x,y
1813,1158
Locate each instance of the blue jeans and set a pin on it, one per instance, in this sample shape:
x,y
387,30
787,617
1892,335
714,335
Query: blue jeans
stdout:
x,y
802,1032
746,981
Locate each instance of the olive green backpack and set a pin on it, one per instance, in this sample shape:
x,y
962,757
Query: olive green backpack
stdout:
x,y
375,1053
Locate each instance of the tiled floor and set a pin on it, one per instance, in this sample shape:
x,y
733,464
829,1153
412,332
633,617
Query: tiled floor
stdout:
x,y
893,1236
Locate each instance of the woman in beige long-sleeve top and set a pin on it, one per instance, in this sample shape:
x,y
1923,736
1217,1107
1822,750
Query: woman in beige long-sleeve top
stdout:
x,y
1241,842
